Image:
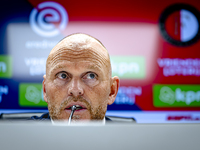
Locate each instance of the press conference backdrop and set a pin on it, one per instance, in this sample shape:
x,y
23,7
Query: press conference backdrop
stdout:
x,y
154,48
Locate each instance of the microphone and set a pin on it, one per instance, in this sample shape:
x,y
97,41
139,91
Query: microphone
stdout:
x,y
73,108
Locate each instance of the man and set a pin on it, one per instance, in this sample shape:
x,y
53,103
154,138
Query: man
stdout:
x,y
78,72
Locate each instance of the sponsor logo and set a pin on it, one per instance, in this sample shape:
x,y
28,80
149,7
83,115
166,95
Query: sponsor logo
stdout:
x,y
31,94
36,65
5,66
45,44
179,24
181,117
176,95
128,67
3,90
48,19
176,66
126,95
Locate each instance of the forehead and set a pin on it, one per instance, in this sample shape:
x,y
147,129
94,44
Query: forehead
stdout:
x,y
76,67
79,50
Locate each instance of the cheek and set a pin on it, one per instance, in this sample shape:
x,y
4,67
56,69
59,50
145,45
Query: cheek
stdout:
x,y
59,83
91,83
99,94
54,92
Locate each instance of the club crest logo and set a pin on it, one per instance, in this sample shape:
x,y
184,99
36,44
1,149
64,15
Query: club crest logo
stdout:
x,y
48,19
180,24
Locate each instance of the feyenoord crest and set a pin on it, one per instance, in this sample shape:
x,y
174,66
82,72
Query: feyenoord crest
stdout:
x,y
180,24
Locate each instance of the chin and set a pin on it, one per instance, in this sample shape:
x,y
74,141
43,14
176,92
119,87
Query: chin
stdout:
x,y
80,118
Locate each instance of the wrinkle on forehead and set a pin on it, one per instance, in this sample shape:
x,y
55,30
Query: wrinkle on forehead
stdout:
x,y
74,55
79,48
98,60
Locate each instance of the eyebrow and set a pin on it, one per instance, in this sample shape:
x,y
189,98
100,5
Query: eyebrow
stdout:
x,y
54,68
95,67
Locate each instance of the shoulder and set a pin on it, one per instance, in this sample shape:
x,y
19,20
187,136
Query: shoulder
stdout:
x,y
44,116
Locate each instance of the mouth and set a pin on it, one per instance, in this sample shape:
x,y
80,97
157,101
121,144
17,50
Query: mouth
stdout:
x,y
78,107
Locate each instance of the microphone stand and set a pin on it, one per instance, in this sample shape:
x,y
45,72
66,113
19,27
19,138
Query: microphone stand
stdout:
x,y
73,108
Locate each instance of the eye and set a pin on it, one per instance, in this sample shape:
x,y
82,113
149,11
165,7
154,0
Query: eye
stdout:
x,y
90,79
90,75
62,75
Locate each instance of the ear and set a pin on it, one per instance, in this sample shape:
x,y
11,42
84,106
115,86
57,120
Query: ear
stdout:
x,y
44,89
113,89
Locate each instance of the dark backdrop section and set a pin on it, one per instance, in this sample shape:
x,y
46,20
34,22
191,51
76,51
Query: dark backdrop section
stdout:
x,y
12,11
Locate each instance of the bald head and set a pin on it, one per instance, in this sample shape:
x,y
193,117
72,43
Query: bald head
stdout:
x,y
78,72
77,47
79,38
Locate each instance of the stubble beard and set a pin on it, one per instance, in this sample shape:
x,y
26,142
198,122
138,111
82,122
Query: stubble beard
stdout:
x,y
55,110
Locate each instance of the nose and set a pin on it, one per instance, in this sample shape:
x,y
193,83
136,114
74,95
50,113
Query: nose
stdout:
x,y
75,88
